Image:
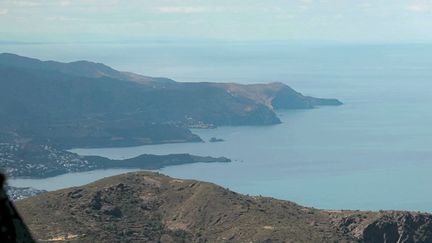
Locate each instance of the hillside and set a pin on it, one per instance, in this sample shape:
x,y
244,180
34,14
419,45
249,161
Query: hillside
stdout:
x,y
150,207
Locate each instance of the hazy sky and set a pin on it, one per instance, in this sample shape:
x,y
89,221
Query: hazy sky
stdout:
x,y
119,20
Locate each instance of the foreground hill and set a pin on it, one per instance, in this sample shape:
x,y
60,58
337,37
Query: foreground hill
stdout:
x,y
149,207
85,104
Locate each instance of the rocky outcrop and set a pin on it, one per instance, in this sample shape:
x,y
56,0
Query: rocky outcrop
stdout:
x,y
389,227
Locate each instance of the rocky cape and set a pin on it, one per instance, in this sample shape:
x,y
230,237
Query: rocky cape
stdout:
x,y
150,207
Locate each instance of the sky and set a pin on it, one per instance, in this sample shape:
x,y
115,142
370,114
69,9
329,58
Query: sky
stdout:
x,y
140,20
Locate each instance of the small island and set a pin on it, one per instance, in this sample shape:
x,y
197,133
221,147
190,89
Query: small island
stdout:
x,y
216,140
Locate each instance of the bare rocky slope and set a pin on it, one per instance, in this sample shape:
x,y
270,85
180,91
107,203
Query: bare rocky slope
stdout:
x,y
150,207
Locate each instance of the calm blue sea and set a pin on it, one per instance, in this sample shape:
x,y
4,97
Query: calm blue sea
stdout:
x,y
375,152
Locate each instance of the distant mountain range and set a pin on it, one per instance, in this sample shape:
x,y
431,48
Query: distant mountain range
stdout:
x,y
86,104
150,207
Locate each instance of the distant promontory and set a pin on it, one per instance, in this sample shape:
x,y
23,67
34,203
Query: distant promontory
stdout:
x,y
87,104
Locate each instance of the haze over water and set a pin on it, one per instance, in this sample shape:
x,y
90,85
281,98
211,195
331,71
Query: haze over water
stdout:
x,y
374,152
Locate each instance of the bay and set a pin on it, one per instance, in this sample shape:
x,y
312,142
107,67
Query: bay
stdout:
x,y
372,153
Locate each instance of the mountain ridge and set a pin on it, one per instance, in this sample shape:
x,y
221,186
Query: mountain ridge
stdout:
x,y
79,68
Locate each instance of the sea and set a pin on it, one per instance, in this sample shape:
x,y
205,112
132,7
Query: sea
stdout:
x,y
372,153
